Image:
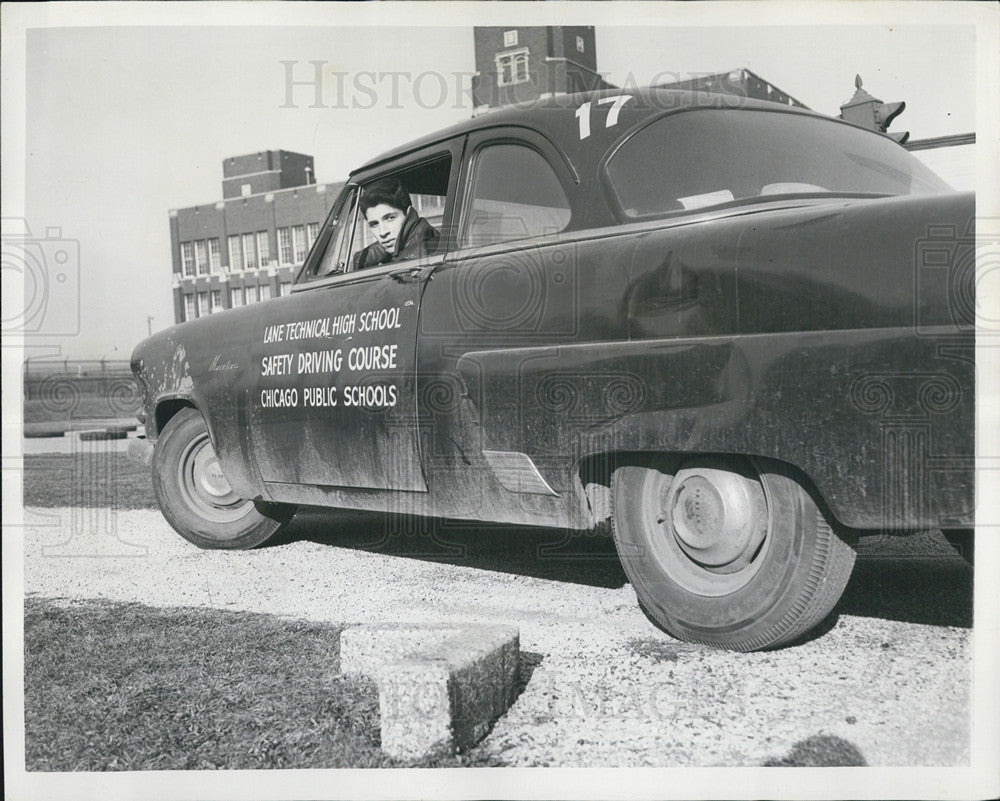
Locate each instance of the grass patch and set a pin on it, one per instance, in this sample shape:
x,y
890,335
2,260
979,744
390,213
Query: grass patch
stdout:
x,y
84,408
108,480
116,686
123,687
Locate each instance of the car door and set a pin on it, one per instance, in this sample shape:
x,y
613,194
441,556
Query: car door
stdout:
x,y
503,302
335,400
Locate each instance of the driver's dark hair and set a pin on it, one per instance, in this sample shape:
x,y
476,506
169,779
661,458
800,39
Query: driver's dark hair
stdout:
x,y
389,191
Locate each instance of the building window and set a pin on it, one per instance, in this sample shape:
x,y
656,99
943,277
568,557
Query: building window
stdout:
x,y
510,38
236,297
285,288
249,252
251,294
312,231
187,257
285,245
265,291
201,256
189,312
299,240
579,43
202,304
512,67
263,248
216,300
214,257
235,253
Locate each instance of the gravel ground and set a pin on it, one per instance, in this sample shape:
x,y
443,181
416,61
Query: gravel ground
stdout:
x,y
884,682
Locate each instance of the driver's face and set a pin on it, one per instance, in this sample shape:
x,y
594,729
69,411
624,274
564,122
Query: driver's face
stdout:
x,y
386,222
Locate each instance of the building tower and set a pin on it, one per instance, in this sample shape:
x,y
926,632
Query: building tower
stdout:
x,y
518,64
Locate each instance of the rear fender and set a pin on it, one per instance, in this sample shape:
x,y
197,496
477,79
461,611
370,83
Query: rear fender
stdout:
x,y
811,400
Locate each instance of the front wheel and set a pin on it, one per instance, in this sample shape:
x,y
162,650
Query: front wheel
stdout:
x,y
724,554
195,496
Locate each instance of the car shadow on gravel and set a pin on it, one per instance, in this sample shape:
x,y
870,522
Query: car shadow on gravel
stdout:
x,y
587,558
931,591
932,587
912,580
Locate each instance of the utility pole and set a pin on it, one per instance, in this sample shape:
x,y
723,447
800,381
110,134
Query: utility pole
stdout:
x,y
149,324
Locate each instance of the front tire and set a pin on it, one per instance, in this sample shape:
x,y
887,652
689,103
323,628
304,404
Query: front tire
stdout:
x,y
195,497
725,554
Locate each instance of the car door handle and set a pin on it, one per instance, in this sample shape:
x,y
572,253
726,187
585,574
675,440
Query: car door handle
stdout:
x,y
412,275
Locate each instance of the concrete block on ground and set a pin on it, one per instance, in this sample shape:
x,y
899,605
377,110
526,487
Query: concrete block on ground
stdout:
x,y
364,649
100,436
440,687
41,430
415,707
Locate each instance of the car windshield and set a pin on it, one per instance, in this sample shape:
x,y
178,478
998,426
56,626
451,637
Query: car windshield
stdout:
x,y
713,157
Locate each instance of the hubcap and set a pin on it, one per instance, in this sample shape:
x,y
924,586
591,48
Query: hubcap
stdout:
x,y
205,485
717,517
208,474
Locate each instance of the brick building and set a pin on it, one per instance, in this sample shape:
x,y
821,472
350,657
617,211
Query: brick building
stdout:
x,y
247,246
517,64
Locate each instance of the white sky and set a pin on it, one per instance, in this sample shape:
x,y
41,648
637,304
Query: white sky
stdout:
x,y
124,123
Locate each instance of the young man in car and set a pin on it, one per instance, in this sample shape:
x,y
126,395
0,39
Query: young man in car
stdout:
x,y
400,233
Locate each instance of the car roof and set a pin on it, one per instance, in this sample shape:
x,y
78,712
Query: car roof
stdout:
x,y
556,117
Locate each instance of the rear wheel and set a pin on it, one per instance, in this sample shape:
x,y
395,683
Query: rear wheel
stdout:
x,y
195,496
722,553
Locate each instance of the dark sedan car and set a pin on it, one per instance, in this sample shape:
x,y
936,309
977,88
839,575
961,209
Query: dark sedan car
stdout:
x,y
741,332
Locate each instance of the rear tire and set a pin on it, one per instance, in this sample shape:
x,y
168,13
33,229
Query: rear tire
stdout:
x,y
195,497
725,554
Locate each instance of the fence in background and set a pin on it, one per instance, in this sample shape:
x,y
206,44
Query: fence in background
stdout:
x,y
105,378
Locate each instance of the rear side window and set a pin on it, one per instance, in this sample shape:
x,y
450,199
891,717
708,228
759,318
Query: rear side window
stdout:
x,y
711,157
515,195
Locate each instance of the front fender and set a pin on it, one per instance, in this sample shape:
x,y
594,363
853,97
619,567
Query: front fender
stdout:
x,y
205,363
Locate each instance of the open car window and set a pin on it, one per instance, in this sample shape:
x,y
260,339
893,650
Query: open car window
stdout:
x,y
426,183
430,207
346,234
